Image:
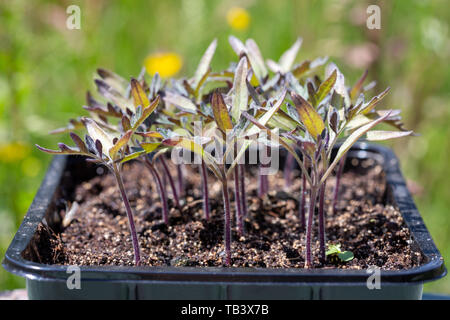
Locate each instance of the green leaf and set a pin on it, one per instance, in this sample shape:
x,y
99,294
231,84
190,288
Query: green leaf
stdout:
x,y
220,110
325,87
333,249
150,146
309,116
240,95
346,256
378,135
131,156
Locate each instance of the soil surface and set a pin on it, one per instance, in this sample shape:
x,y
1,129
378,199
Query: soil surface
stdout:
x,y
99,235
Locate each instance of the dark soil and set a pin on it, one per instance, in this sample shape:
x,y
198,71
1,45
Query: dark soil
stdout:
x,y
374,231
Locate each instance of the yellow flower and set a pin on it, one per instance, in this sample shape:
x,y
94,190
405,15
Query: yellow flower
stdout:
x,y
13,151
166,64
238,18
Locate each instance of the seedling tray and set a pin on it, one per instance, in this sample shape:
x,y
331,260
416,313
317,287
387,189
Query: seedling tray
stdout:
x,y
120,282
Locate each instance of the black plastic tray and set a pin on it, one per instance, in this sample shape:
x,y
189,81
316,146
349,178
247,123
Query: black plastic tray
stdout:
x,y
49,281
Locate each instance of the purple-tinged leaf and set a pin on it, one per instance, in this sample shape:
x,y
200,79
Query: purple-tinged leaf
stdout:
x,y
378,135
204,64
350,141
240,96
122,142
220,110
288,57
356,89
180,102
366,108
139,96
80,144
309,116
325,88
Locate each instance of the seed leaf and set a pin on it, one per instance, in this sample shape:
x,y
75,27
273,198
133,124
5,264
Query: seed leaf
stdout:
x,y
345,256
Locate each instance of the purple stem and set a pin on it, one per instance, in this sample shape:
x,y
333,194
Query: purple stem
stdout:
x,y
242,189
180,179
237,200
261,183
137,254
338,181
205,189
161,190
172,184
288,167
322,221
227,222
303,202
312,205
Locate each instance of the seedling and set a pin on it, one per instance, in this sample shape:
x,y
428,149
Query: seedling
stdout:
x,y
306,116
335,254
104,145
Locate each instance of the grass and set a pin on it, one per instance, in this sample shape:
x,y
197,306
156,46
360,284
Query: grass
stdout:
x,y
45,70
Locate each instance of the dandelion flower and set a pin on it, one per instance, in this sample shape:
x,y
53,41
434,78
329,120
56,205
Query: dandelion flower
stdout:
x,y
166,64
238,18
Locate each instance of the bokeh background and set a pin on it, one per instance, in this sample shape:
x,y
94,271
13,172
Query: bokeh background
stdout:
x,y
45,70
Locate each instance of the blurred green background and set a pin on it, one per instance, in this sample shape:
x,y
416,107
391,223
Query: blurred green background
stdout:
x,y
45,70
